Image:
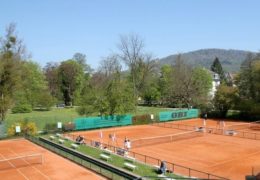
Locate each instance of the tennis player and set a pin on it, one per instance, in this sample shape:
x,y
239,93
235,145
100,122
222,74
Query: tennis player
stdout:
x,y
205,119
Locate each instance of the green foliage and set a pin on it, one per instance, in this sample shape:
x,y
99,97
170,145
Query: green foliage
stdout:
x,y
71,78
225,98
34,90
26,128
113,96
22,108
10,74
184,86
217,68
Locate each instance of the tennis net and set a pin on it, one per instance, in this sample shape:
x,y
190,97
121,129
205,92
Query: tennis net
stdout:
x,y
238,126
165,139
255,125
21,161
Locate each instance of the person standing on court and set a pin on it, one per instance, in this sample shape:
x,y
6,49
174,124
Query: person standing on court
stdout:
x,y
205,119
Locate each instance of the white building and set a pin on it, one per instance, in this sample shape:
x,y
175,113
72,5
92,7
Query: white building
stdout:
x,y
215,83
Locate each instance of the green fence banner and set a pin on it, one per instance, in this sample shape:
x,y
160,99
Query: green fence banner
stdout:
x,y
102,121
2,130
178,114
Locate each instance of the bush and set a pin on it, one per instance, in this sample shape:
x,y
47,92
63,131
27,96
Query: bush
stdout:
x,y
142,119
26,128
22,108
29,128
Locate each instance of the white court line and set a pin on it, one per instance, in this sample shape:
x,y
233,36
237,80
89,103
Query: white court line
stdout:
x,y
44,175
22,174
14,167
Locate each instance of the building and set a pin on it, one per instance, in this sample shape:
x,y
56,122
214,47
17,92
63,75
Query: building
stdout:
x,y
215,83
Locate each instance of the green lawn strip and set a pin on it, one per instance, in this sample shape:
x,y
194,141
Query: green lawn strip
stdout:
x,y
49,119
116,160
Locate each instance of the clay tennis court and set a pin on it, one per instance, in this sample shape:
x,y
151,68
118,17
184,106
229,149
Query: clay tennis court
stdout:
x,y
53,166
226,156
216,123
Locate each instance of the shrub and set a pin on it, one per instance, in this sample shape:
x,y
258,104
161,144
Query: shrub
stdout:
x,y
11,130
26,128
142,119
29,128
22,108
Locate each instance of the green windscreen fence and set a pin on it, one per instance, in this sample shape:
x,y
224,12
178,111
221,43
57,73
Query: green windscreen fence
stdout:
x,y
178,114
100,122
2,130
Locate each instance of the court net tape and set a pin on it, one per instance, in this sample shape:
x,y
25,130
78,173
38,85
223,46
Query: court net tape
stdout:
x,y
21,161
165,139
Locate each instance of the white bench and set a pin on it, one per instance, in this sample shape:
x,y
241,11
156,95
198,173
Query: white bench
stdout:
x,y
74,146
104,156
52,137
130,166
130,158
165,177
108,151
58,135
61,141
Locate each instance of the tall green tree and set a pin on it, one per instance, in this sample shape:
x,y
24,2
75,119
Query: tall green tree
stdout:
x,y
217,68
225,99
71,78
12,51
51,71
184,86
34,89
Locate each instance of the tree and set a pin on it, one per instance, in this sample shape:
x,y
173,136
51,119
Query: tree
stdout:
x,y
184,86
225,99
51,71
82,60
34,89
12,51
107,93
247,79
217,68
132,53
119,96
110,65
71,78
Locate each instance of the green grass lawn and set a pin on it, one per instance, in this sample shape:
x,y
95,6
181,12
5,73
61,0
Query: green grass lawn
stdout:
x,y
44,119
116,160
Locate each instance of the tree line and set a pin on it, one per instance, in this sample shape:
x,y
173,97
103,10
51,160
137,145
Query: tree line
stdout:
x,y
124,79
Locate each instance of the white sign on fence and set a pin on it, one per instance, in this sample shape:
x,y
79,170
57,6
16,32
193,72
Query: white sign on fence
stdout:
x,y
152,116
59,125
17,129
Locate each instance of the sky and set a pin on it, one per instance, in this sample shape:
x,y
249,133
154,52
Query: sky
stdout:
x,y
54,30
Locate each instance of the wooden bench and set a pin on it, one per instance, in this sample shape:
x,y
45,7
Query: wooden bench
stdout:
x,y
105,157
52,137
74,146
61,141
130,166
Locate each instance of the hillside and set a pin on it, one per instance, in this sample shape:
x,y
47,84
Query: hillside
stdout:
x,y
230,59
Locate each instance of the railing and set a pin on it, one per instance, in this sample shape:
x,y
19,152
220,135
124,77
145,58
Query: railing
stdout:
x,y
238,133
171,167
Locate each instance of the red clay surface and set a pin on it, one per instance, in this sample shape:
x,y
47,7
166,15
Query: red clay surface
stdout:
x,y
53,167
226,156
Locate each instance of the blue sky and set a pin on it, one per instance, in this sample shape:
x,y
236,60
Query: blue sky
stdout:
x,y
53,30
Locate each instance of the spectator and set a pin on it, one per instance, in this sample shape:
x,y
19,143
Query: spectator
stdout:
x,y
162,169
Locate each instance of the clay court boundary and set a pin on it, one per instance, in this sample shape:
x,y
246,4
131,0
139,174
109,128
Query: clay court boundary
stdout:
x,y
237,133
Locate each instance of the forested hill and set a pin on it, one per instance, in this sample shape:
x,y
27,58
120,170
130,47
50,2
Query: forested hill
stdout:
x,y
230,59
